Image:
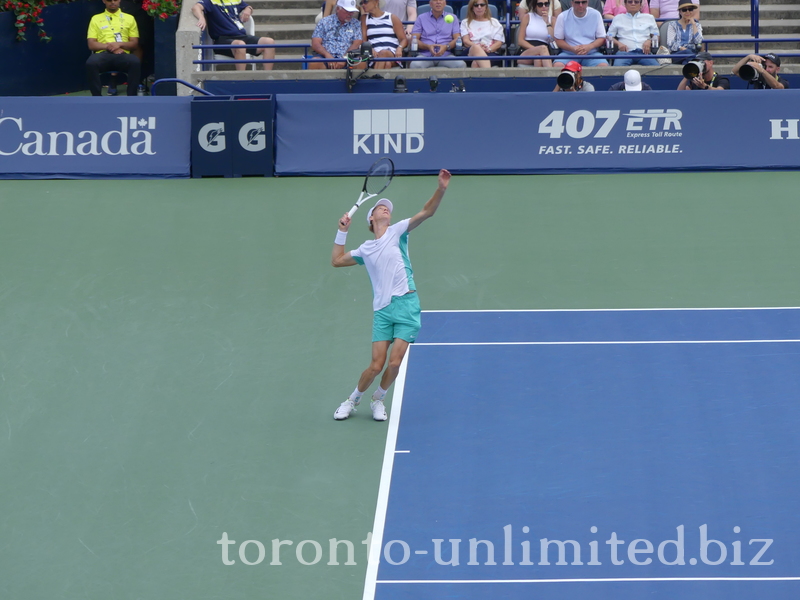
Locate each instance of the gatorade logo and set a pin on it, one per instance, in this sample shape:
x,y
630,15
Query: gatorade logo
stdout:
x,y
252,136
396,131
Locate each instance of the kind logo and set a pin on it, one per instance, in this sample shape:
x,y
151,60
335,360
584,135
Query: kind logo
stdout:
x,y
395,131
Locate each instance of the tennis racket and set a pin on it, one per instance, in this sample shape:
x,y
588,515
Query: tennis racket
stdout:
x,y
378,179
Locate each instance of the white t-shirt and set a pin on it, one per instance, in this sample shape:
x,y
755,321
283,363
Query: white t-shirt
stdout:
x,y
483,32
387,264
579,31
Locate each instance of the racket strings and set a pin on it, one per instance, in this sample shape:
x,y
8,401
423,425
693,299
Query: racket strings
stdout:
x,y
379,177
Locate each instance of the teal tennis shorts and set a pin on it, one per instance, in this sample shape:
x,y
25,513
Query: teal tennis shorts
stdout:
x,y
398,320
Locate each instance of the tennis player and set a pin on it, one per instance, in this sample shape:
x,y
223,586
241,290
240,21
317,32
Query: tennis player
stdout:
x,y
395,302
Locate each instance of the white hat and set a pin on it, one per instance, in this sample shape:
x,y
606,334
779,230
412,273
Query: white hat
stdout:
x,y
348,5
633,81
382,202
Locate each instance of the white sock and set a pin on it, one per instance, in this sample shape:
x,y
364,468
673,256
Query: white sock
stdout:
x,y
379,394
356,395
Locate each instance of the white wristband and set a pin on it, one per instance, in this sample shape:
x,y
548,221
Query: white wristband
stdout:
x,y
341,238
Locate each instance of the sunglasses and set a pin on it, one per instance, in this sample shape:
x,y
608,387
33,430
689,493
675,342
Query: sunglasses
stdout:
x,y
476,5
633,1
540,4
580,1
687,9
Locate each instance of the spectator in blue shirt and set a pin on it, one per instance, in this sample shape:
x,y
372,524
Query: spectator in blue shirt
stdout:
x,y
336,35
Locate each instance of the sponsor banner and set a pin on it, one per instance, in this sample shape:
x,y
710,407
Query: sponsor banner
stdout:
x,y
94,137
538,132
232,136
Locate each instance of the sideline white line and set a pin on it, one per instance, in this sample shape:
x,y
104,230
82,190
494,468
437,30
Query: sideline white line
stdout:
x,y
374,558
596,580
536,310
619,342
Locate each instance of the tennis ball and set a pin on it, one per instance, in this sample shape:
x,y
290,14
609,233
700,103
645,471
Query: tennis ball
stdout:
x,y
449,18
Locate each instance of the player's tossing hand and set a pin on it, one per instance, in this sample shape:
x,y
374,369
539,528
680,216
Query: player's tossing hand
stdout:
x,y
344,222
444,178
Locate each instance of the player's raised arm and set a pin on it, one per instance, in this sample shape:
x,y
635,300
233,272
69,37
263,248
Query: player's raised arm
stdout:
x,y
431,205
340,258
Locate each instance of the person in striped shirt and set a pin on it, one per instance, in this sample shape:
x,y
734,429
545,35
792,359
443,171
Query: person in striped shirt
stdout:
x,y
384,31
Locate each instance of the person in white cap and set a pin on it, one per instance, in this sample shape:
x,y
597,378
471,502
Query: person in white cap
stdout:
x,y
631,83
396,310
336,35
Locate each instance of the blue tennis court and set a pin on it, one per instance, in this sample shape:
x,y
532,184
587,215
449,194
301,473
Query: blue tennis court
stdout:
x,y
597,454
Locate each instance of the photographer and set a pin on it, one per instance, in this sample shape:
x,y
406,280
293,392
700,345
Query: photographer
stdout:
x,y
699,75
571,79
761,72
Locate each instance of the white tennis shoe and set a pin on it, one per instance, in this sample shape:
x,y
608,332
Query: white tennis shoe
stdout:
x,y
378,410
344,410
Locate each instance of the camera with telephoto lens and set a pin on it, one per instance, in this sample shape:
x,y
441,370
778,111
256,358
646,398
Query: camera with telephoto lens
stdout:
x,y
693,69
749,73
566,80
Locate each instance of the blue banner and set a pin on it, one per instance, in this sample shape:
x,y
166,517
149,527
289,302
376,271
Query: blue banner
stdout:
x,y
538,132
94,137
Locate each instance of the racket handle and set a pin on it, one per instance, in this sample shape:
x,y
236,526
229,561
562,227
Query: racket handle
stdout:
x,y
352,211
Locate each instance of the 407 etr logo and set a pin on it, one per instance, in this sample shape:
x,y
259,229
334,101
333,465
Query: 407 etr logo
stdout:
x,y
640,124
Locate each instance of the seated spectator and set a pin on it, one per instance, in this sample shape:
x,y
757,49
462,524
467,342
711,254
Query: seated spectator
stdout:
x,y
406,10
612,8
384,31
707,79
685,35
111,37
224,23
633,33
765,72
668,9
482,34
571,79
536,32
579,32
436,37
336,35
631,83
525,7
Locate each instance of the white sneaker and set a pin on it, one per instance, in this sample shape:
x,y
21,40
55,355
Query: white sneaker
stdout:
x,y
378,410
344,410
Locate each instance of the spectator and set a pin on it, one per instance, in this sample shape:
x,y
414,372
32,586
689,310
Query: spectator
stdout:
x,y
224,23
482,35
406,10
668,9
765,72
436,37
707,79
631,83
536,32
571,79
384,31
525,7
632,34
612,8
685,35
595,4
336,35
579,32
111,37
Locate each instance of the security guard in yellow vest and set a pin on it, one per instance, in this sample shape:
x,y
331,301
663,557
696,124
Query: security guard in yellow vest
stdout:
x,y
112,35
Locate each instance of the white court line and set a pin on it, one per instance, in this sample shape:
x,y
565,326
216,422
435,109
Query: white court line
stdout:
x,y
545,310
597,343
374,558
596,580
